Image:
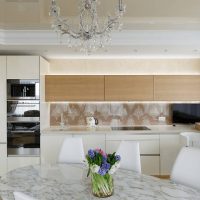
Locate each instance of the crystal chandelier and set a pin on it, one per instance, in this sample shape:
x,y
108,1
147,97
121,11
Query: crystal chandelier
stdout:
x,y
91,34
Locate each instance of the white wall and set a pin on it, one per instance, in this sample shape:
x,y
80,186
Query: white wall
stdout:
x,y
125,66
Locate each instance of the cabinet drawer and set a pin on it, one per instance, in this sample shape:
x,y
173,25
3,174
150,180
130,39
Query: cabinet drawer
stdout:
x,y
146,147
137,137
17,162
150,165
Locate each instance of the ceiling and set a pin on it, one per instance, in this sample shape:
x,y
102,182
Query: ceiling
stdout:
x,y
168,28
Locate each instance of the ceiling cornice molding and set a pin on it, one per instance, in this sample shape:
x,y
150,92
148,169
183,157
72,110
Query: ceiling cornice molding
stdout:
x,y
132,23
123,38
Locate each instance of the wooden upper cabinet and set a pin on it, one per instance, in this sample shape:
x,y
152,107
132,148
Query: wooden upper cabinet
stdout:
x,y
177,88
74,88
128,88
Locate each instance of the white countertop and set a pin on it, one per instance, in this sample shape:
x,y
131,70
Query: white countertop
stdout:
x,y
154,129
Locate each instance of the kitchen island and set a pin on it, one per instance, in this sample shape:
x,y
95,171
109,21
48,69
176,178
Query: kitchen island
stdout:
x,y
159,146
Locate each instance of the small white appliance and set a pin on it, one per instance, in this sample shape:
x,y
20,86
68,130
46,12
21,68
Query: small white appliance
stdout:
x,y
91,121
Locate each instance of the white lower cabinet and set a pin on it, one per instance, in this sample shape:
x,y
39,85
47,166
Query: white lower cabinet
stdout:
x,y
51,144
158,151
50,147
150,164
3,159
170,146
149,150
17,162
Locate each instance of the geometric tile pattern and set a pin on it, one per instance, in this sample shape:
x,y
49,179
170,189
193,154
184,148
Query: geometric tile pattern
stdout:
x,y
114,114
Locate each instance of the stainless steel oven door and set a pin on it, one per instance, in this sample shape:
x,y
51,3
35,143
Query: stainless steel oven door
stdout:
x,y
23,138
23,111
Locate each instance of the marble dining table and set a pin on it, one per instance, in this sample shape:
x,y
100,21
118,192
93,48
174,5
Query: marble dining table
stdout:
x,y
70,182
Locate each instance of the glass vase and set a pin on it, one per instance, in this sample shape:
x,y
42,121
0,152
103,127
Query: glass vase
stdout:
x,y
102,186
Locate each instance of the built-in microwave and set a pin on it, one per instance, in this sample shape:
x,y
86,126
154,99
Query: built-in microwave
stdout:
x,y
22,89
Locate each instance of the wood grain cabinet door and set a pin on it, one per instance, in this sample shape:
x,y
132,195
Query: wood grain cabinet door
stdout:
x,y
128,88
74,88
177,88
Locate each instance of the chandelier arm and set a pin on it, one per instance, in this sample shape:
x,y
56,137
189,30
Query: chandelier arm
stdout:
x,y
60,24
111,22
72,34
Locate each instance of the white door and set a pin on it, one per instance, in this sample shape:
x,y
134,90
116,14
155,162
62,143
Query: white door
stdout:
x,y
169,149
23,67
3,159
50,145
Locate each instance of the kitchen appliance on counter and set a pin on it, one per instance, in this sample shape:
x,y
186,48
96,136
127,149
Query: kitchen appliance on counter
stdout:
x,y
22,89
23,117
91,121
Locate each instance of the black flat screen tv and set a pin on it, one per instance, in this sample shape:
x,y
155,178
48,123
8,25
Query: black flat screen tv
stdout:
x,y
185,113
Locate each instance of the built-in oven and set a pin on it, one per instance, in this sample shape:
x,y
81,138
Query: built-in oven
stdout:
x,y
23,127
22,89
23,111
23,138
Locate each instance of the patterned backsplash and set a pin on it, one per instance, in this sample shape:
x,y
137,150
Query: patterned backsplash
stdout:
x,y
114,114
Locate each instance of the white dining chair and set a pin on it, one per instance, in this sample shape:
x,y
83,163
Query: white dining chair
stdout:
x,y
190,139
72,151
186,167
22,196
130,155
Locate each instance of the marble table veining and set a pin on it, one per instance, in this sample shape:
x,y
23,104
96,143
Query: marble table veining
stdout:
x,y
69,182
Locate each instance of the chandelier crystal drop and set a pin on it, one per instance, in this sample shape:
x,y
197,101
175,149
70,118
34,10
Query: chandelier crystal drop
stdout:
x,y
91,34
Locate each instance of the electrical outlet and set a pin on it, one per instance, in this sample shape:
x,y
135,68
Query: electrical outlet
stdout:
x,y
161,119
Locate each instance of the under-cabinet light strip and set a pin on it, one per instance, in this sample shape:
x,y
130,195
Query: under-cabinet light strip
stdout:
x,y
120,102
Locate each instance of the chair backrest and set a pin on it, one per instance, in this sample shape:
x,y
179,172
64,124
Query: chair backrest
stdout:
x,y
72,151
186,167
130,156
22,196
190,139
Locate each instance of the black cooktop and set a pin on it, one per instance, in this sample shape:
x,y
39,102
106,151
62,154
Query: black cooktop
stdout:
x,y
130,128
